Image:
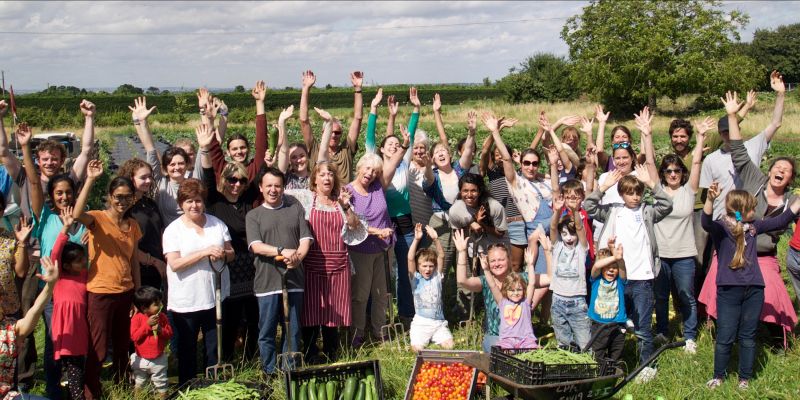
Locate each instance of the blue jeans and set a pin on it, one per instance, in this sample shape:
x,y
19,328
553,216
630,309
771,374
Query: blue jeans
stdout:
x,y
543,216
405,299
738,311
639,306
570,320
52,368
680,272
188,325
270,309
24,396
489,341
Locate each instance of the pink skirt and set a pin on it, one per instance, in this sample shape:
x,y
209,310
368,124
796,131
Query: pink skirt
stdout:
x,y
778,308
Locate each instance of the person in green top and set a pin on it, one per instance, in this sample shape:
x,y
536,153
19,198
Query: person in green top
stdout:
x,y
396,160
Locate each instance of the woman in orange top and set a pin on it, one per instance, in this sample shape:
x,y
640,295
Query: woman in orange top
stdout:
x,y
113,274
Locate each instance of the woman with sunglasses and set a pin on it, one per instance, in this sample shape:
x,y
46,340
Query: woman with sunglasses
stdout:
x,y
230,199
113,274
675,239
532,193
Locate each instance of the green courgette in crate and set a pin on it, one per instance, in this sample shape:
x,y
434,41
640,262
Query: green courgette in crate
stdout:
x,y
350,388
303,391
312,389
330,389
321,391
361,393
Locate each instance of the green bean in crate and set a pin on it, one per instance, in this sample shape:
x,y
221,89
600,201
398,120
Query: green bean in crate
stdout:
x,y
203,389
350,381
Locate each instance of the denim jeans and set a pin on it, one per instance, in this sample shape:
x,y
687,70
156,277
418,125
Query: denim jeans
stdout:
x,y
270,309
639,306
489,341
52,368
793,268
570,320
188,325
738,310
680,272
405,299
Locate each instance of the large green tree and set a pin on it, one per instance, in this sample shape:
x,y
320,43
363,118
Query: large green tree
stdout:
x,y
629,53
778,49
542,76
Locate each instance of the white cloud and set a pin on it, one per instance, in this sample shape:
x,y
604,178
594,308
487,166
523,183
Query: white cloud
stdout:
x,y
222,44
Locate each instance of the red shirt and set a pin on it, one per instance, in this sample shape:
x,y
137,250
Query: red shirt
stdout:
x,y
795,242
146,343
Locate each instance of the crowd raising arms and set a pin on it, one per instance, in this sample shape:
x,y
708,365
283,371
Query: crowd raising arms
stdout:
x,y
343,215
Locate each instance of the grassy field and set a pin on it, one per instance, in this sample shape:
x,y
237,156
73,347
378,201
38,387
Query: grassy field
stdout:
x,y
680,376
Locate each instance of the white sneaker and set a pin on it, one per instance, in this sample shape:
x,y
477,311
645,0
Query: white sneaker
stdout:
x,y
629,324
690,347
646,375
714,383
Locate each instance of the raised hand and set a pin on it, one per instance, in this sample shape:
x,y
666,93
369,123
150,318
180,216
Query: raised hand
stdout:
x,y
406,136
259,91
418,231
392,105
204,135
484,262
714,190
569,120
95,169
611,180
586,124
591,154
139,110
507,122
529,260
286,114
490,121
24,227
752,96
731,102
460,240
87,108
558,203
356,78
323,114
24,134
50,268
552,155
344,198
776,82
544,123
3,108
516,156
616,251
412,97
203,98
309,79
472,119
376,101
431,232
437,102
643,176
547,245
66,216
599,115
703,126
644,120
269,160
610,243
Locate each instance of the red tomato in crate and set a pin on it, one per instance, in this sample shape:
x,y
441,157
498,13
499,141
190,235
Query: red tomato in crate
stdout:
x,y
442,381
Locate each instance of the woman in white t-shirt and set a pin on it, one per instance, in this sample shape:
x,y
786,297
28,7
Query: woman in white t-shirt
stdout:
x,y
194,243
675,239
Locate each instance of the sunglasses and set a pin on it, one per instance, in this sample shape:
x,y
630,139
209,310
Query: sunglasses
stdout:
x,y
670,171
232,180
530,163
621,145
336,133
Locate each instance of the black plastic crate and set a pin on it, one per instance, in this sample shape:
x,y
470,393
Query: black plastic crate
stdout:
x,y
441,356
335,372
502,362
199,383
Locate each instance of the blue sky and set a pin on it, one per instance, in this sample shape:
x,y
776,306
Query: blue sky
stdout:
x,y
223,44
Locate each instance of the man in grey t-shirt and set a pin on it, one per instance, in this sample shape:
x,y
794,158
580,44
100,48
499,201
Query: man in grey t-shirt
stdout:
x,y
277,228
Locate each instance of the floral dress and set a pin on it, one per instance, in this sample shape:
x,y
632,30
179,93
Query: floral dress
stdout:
x,y
9,301
8,357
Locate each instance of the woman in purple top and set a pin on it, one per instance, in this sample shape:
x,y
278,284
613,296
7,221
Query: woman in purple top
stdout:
x,y
369,257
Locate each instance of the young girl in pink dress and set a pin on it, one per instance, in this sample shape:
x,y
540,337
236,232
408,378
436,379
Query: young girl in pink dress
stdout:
x,y
70,327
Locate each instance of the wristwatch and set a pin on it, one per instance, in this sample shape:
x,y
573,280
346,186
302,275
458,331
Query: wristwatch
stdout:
x,y
280,249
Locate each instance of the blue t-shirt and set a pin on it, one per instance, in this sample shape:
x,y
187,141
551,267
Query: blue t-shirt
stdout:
x,y
428,296
47,230
607,303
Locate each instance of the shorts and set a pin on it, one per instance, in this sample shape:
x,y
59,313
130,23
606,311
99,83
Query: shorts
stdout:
x,y
155,370
518,343
424,330
516,233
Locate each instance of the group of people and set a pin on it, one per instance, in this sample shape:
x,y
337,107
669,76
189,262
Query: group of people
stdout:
x,y
596,245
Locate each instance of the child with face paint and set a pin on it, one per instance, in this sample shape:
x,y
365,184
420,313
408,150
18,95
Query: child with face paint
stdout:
x,y
568,276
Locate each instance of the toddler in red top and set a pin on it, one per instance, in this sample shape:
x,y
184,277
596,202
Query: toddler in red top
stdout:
x,y
150,333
